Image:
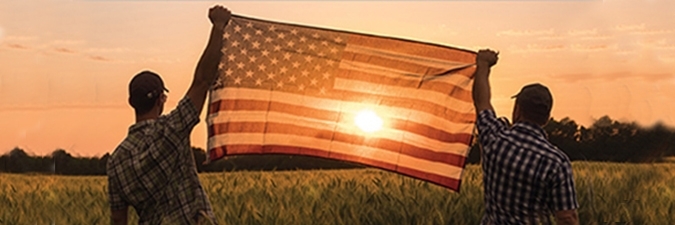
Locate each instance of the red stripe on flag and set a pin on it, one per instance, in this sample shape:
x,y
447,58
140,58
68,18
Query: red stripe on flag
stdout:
x,y
395,64
380,143
324,115
430,84
427,107
277,149
413,48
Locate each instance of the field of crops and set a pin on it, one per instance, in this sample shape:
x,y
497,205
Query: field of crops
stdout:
x,y
608,194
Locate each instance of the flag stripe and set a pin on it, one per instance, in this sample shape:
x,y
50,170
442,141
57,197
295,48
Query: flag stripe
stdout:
x,y
442,84
442,64
408,67
231,98
333,147
331,135
255,121
403,93
345,121
413,48
274,149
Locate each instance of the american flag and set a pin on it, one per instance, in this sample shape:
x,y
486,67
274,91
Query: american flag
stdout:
x,y
292,89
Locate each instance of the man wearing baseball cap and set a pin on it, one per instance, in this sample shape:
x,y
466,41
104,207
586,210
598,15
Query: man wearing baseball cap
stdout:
x,y
526,179
153,169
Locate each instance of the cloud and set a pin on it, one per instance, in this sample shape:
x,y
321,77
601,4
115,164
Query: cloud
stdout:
x,y
526,33
14,38
629,27
576,77
535,48
99,58
653,32
658,44
107,50
17,46
592,47
64,50
591,32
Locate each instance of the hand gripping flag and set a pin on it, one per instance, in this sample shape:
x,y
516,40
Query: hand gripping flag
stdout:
x,y
398,105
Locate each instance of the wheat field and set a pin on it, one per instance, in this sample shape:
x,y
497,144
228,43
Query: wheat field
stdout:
x,y
608,193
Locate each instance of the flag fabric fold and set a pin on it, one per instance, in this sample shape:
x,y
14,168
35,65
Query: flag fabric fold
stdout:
x,y
292,89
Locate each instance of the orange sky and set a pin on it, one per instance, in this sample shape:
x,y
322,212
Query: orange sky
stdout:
x,y
66,64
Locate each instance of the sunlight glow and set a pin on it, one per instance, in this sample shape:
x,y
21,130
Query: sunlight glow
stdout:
x,y
368,121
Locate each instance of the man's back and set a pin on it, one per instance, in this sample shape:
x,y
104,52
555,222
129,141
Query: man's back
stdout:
x,y
153,169
526,178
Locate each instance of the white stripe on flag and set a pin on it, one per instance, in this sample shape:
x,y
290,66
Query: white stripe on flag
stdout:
x,y
394,158
348,128
420,60
402,92
340,106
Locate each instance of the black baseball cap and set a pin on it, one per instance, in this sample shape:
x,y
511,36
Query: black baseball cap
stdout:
x,y
535,98
145,87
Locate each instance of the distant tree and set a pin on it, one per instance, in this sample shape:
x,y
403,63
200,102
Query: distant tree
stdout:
x,y
18,161
63,162
566,135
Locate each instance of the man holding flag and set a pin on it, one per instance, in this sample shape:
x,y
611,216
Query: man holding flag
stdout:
x,y
153,169
525,177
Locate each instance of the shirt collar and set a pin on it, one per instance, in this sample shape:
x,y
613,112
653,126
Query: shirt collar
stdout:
x,y
530,128
140,126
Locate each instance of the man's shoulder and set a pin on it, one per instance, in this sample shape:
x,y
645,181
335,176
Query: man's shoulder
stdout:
x,y
553,154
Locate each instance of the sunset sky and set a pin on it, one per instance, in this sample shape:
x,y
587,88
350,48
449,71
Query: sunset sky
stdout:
x,y
65,65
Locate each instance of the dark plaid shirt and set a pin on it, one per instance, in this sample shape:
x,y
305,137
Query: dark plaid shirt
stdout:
x,y
154,171
525,177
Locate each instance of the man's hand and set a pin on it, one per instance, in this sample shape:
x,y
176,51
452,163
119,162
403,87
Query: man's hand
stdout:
x,y
219,16
487,57
565,217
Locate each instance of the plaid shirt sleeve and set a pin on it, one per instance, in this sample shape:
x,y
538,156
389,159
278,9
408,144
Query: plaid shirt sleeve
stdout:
x,y
182,119
176,128
114,195
488,127
563,195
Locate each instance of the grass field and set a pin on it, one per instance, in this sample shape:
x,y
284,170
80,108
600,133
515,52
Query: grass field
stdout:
x,y
608,193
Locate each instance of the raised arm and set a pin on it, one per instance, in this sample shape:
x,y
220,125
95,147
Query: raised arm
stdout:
x,y
481,85
207,67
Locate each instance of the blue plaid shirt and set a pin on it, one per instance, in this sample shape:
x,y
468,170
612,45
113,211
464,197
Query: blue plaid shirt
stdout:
x,y
154,170
525,177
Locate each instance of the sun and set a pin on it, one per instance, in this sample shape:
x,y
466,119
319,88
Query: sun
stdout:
x,y
368,121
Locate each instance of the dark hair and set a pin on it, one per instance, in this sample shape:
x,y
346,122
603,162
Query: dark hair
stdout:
x,y
143,106
144,90
535,116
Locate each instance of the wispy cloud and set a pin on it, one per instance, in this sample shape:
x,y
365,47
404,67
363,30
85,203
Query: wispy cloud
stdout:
x,y
63,47
630,27
653,32
108,50
535,48
99,58
592,47
658,44
576,77
15,38
526,33
17,46
64,50
591,32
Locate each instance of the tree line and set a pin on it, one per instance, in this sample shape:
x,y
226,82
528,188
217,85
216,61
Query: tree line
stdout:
x,y
605,140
